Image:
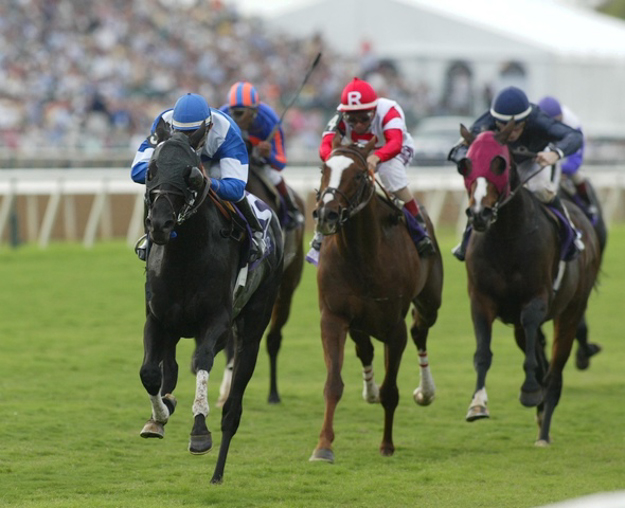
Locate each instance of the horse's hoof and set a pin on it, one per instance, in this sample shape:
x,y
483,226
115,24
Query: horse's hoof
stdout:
x,y
274,398
387,451
531,399
542,443
199,445
323,455
582,360
371,396
477,413
152,428
421,398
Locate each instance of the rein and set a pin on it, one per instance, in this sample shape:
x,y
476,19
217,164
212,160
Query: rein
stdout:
x,y
189,208
502,203
358,203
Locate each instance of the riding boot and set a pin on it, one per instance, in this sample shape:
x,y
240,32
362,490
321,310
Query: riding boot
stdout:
x,y
425,247
588,200
315,244
295,216
257,245
557,204
460,250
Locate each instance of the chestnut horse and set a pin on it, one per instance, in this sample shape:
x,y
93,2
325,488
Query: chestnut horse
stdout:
x,y
515,274
195,288
293,268
369,274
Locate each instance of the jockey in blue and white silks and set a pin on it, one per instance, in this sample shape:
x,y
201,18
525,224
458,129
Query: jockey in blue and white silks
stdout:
x,y
223,152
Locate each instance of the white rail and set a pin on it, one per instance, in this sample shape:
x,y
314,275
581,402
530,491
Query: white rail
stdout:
x,y
436,185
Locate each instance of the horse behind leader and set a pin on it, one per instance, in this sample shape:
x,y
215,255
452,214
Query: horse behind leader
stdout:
x,y
368,276
293,268
516,274
199,285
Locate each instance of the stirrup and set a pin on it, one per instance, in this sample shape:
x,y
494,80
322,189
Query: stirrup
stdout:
x,y
313,256
141,248
458,252
296,219
425,247
257,247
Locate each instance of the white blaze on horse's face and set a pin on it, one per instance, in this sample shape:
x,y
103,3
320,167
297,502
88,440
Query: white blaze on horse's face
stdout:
x,y
337,165
481,190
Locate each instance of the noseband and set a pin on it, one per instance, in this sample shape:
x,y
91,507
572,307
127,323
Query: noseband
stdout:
x,y
359,200
190,206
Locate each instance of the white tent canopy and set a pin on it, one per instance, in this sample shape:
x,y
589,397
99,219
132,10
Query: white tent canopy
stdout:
x,y
575,54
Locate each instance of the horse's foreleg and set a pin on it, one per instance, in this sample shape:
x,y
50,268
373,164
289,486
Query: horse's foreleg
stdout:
x,y
365,352
333,336
246,356
564,336
201,440
158,347
482,326
532,316
389,393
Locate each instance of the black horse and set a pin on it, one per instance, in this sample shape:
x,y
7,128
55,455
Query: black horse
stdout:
x,y
258,185
515,274
195,287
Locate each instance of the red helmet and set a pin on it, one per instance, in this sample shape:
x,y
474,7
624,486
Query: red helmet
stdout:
x,y
358,95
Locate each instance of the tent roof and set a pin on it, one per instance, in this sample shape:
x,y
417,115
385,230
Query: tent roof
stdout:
x,y
516,28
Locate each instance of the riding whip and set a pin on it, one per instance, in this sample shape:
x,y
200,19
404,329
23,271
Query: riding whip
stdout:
x,y
294,98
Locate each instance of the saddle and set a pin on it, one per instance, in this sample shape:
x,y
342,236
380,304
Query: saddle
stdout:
x,y
565,232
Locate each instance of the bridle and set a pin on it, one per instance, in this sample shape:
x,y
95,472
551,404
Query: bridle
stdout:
x,y
190,206
360,199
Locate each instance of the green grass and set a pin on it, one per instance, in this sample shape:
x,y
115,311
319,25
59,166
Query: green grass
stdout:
x,y
72,405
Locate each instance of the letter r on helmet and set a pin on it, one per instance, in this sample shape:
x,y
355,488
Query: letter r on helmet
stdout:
x,y
354,97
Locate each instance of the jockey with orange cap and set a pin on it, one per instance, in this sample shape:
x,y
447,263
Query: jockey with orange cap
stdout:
x,y
257,122
362,116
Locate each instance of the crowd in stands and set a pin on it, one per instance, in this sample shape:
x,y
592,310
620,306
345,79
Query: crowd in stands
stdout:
x,y
93,75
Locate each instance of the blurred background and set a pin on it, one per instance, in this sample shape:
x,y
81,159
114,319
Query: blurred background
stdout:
x,y
81,82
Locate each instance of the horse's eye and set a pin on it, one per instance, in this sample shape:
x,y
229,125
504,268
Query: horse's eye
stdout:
x,y
498,165
360,176
464,167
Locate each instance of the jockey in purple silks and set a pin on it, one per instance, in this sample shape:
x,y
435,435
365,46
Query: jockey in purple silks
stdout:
x,y
571,164
546,138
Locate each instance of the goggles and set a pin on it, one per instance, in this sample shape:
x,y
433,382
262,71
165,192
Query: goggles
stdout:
x,y
239,112
352,118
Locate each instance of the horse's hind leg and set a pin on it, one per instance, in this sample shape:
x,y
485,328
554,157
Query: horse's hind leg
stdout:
x,y
389,394
250,326
585,349
159,346
365,352
564,335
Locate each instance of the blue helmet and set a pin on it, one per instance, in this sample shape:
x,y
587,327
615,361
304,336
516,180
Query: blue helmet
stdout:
x,y
190,111
551,106
511,102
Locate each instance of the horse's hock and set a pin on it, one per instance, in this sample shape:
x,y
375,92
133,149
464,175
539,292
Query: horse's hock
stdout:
x,y
39,206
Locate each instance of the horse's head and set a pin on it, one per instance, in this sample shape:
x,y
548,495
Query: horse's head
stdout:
x,y
173,183
346,185
486,171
